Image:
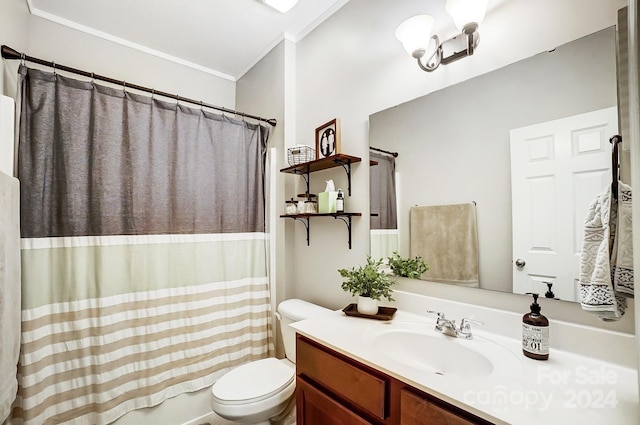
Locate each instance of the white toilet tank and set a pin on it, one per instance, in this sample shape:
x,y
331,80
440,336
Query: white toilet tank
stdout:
x,y
294,310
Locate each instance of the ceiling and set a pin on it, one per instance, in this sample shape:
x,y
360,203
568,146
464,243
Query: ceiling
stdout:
x,y
221,37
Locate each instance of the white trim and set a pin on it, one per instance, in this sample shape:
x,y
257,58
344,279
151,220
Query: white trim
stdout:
x,y
123,42
273,218
294,37
83,241
327,13
634,143
109,37
261,55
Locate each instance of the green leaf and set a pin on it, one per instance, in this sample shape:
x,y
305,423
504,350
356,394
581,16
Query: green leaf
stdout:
x,y
368,280
407,267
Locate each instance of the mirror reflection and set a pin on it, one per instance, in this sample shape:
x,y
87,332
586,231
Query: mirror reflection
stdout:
x,y
454,148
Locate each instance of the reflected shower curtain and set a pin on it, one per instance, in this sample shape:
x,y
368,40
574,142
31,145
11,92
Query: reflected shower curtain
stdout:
x,y
384,215
143,249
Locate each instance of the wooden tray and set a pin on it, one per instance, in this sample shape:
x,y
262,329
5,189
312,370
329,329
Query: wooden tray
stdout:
x,y
384,313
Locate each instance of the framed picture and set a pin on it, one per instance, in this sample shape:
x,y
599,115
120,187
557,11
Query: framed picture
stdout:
x,y
328,139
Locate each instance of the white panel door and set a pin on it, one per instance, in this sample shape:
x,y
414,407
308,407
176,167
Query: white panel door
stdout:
x,y
557,169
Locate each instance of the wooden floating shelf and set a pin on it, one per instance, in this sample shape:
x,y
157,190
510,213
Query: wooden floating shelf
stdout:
x,y
345,214
321,164
306,168
305,219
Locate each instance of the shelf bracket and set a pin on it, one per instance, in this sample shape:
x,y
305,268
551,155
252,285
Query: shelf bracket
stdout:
x,y
304,221
347,169
305,176
347,221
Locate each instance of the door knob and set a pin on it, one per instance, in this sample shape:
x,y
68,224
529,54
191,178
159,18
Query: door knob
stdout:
x,y
520,263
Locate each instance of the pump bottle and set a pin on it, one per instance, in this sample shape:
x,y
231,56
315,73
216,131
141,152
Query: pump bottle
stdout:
x,y
535,332
340,202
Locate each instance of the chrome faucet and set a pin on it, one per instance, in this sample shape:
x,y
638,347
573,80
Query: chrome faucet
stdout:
x,y
448,327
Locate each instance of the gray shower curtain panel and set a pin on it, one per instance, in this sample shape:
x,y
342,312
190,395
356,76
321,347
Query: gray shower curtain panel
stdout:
x,y
382,192
127,164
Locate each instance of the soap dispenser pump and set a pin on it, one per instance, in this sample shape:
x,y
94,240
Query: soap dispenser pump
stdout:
x,y
535,332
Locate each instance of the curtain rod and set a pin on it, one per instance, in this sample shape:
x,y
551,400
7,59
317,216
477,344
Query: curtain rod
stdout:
x,y
395,154
12,54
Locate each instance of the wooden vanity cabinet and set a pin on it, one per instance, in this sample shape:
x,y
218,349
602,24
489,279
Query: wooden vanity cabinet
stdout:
x,y
317,408
417,410
335,389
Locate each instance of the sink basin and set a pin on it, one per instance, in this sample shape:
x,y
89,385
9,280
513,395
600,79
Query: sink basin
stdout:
x,y
420,347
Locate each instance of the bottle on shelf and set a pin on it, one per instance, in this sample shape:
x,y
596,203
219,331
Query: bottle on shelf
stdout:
x,y
340,202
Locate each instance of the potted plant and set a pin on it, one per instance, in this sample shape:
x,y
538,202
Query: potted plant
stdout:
x,y
407,267
370,283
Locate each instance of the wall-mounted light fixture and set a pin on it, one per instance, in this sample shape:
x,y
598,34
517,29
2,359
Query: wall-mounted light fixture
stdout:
x,y
282,6
415,33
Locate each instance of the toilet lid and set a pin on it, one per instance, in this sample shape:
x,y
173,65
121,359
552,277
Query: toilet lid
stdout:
x,y
253,381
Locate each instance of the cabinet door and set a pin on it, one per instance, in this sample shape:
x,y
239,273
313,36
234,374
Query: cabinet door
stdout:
x,y
316,408
350,382
415,410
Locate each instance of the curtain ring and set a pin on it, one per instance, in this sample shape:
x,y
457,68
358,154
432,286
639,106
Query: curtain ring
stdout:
x,y
177,100
201,106
22,55
53,64
93,78
153,93
124,86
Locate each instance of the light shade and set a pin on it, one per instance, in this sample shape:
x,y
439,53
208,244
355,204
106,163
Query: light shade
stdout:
x,y
282,6
415,34
465,12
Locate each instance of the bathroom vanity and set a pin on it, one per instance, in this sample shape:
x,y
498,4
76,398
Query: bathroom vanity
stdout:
x,y
333,388
354,370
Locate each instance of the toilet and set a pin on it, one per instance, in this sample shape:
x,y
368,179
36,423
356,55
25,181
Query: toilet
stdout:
x,y
262,391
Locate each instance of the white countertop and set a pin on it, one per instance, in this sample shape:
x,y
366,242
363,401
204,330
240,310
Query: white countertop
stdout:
x,y
566,389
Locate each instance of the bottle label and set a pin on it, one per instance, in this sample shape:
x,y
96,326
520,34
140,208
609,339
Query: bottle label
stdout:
x,y
535,339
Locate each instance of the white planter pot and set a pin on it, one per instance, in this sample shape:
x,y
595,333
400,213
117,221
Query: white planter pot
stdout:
x,y
367,305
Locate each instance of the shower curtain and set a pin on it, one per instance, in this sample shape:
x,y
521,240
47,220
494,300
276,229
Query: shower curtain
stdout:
x,y
384,214
143,249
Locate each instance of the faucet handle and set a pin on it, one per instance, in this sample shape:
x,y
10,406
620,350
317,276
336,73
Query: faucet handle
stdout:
x,y
465,324
438,313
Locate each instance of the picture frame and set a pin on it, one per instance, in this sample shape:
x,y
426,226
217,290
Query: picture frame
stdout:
x,y
328,139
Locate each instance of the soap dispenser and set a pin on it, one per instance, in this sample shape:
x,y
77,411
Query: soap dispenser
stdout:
x,y
535,332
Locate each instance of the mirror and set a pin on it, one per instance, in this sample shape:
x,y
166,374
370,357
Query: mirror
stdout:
x,y
453,145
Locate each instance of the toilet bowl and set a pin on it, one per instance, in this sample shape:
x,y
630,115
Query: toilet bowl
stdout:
x,y
259,391
254,392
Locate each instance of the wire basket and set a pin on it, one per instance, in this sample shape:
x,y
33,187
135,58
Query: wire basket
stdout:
x,y
300,154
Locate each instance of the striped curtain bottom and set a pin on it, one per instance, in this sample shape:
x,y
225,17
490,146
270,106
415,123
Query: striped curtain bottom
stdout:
x,y
98,359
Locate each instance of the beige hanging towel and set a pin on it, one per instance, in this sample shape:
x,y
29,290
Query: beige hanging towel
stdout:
x,y
446,236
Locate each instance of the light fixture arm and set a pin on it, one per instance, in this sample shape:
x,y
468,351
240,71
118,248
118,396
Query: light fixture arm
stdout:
x,y
470,32
431,64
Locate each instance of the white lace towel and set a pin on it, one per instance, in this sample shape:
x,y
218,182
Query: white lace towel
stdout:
x,y
606,262
623,264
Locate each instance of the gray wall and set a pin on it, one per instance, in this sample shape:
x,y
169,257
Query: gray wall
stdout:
x,y
454,143
351,66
